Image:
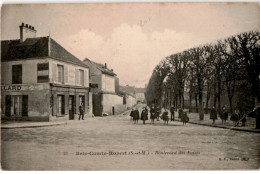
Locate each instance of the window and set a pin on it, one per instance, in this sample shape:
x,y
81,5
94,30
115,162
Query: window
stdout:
x,y
61,105
60,74
81,77
17,74
43,72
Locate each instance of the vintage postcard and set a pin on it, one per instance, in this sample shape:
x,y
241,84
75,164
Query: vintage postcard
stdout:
x,y
130,86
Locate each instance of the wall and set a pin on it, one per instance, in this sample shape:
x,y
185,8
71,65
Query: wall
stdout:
x,y
71,75
38,101
108,83
140,97
109,100
130,101
29,70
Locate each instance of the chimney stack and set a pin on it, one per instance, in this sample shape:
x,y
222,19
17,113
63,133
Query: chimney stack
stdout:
x,y
105,65
26,31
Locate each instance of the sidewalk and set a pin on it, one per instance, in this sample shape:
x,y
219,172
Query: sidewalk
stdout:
x,y
194,119
29,124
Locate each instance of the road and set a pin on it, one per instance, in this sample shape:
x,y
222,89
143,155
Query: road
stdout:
x,y
116,143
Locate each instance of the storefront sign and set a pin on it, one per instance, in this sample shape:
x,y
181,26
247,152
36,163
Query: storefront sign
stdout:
x,y
11,88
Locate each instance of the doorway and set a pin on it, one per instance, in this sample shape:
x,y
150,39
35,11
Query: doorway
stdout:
x,y
71,107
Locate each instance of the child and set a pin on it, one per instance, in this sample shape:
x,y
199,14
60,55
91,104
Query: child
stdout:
x,y
184,118
165,117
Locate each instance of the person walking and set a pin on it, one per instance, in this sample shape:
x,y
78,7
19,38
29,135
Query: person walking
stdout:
x,y
144,114
157,113
152,112
132,114
81,111
224,115
184,118
136,116
213,114
165,117
172,109
180,111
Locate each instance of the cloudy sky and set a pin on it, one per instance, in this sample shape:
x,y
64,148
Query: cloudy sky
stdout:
x,y
131,38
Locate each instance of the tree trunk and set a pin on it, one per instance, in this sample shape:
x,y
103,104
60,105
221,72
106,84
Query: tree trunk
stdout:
x,y
196,101
201,112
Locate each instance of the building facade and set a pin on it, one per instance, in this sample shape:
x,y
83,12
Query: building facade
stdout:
x,y
105,97
40,80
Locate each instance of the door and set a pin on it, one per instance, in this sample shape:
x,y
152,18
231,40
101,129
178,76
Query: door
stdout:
x,y
8,105
25,105
71,107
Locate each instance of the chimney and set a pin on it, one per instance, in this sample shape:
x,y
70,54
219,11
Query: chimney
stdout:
x,y
112,70
105,65
26,31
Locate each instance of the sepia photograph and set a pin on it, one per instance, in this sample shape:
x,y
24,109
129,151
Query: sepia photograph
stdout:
x,y
130,86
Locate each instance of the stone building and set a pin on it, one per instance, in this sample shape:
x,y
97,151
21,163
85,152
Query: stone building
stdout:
x,y
41,81
139,92
105,97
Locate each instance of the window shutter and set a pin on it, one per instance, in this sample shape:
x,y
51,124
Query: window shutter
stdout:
x,y
25,105
54,72
77,76
66,75
86,78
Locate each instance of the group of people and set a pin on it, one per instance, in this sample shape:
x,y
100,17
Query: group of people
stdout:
x,y
155,114
236,116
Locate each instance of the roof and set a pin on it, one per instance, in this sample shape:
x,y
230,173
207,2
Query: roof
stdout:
x,y
140,90
101,67
127,89
36,48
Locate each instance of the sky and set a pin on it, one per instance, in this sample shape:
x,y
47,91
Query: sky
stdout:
x,y
131,38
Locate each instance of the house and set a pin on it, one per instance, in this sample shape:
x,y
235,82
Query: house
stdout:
x,y
41,81
106,98
139,93
129,95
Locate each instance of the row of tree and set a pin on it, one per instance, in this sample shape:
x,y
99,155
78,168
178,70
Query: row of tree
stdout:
x,y
229,66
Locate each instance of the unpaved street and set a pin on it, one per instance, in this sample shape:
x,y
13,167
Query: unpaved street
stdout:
x,y
115,143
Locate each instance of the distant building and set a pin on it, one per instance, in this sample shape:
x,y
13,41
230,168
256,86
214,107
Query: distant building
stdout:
x,y
105,96
41,80
129,95
139,93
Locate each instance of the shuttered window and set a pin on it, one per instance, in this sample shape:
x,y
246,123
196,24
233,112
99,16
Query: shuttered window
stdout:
x,y
60,74
42,72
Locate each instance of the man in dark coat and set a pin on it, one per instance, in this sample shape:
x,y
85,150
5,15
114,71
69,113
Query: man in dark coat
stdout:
x,y
144,114
213,114
152,112
172,113
81,111
224,115
132,114
180,112
165,117
136,116
157,113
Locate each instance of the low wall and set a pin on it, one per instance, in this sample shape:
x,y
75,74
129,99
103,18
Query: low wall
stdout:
x,y
110,100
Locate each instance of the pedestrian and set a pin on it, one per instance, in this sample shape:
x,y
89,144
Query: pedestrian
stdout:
x,y
144,114
180,111
235,118
81,111
132,114
136,116
184,118
165,117
224,115
157,113
213,114
152,112
172,109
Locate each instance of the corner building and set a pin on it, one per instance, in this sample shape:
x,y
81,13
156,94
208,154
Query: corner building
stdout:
x,y
40,80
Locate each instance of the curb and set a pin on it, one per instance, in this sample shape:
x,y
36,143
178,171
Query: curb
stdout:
x,y
33,126
224,127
